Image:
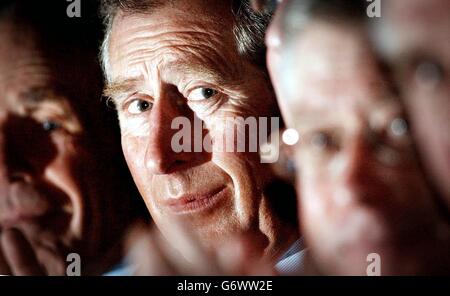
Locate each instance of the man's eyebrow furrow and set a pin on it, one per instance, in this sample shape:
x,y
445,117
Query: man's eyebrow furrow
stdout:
x,y
36,98
119,87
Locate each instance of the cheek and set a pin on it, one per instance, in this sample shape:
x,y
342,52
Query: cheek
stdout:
x,y
315,195
65,174
138,127
246,187
402,186
310,165
70,172
70,159
238,165
317,191
134,151
316,211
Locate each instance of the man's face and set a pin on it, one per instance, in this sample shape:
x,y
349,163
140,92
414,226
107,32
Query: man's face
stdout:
x,y
357,175
182,60
418,34
46,169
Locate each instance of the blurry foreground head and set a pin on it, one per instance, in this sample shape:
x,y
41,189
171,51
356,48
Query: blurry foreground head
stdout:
x,y
414,37
362,192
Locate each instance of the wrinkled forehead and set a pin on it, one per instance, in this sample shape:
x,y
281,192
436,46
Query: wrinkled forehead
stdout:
x,y
22,63
28,76
418,13
325,47
170,27
181,11
16,40
330,62
421,25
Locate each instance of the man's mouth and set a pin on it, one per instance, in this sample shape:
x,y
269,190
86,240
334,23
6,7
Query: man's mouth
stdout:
x,y
193,203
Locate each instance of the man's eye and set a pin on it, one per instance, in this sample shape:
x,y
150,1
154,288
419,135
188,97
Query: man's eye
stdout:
x,y
139,106
396,136
322,141
202,93
50,125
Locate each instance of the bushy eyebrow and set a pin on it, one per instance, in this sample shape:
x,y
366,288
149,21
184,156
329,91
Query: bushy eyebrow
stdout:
x,y
35,98
38,95
219,76
47,98
119,89
116,89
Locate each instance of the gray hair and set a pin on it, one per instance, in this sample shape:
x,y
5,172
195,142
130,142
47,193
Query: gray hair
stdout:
x,y
249,29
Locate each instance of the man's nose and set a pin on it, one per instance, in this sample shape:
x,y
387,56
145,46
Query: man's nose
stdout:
x,y
160,156
359,164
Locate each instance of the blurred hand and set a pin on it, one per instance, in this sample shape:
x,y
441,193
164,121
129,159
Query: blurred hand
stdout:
x,y
150,254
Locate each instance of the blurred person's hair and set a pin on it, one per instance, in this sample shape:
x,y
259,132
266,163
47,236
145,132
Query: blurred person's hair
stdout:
x,y
249,28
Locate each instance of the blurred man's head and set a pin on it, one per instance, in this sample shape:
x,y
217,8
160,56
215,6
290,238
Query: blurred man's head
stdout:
x,y
57,185
414,36
193,59
361,189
